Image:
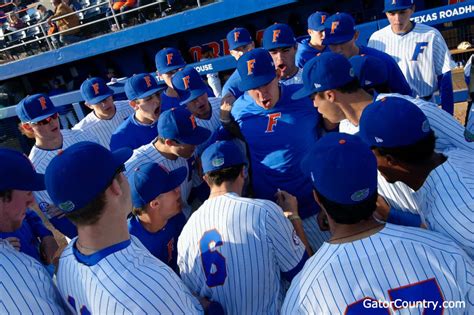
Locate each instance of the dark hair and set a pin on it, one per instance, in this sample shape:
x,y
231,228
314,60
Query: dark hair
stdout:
x,y
92,212
349,214
380,88
417,153
228,174
6,195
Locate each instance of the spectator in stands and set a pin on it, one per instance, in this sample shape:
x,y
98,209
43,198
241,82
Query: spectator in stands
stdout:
x,y
17,7
73,4
15,23
120,6
70,21
44,13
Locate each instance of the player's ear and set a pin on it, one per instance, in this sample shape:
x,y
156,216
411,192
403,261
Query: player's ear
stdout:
x,y
169,142
330,95
206,179
26,126
356,35
309,32
316,198
154,203
88,105
133,104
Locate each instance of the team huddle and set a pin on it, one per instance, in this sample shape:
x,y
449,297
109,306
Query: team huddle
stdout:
x,y
324,181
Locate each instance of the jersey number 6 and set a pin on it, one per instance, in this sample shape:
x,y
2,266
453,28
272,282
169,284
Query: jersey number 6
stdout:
x,y
213,262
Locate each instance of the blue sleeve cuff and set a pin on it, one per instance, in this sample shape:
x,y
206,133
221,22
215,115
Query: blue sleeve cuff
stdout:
x,y
445,85
400,217
290,274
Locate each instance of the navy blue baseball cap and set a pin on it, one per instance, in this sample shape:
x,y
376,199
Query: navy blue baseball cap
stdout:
x,y
150,180
238,37
18,173
256,68
188,84
180,124
141,86
370,70
316,21
81,172
338,29
169,59
396,5
393,122
95,90
220,155
324,72
278,36
35,108
342,168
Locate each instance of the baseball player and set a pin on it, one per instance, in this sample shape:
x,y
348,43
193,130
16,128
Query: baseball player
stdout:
x,y
372,74
280,41
26,285
39,121
20,225
240,42
311,44
330,81
173,148
192,93
105,270
366,265
419,50
142,91
235,250
403,142
106,114
168,61
278,132
340,35
157,220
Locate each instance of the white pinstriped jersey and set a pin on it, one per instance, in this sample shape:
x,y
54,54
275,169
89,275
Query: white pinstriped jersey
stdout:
x,y
296,79
41,158
233,249
25,285
148,153
421,54
449,135
129,280
398,262
104,128
446,199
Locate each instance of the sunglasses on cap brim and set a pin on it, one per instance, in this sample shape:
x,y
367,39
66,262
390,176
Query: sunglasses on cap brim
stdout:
x,y
47,120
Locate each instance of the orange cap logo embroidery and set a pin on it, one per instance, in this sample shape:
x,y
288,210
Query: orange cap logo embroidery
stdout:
x,y
95,86
334,26
147,81
236,36
186,82
323,19
250,66
169,57
276,34
42,101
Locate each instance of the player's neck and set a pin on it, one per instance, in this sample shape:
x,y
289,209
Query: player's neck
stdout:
x,y
345,233
142,119
292,74
405,30
107,116
49,144
7,227
109,230
164,150
225,188
317,46
358,102
152,222
417,175
171,92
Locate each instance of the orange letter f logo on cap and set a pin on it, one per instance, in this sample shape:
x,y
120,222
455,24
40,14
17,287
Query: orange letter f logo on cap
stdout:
x,y
276,34
147,81
186,82
334,26
236,36
42,101
95,86
250,66
169,57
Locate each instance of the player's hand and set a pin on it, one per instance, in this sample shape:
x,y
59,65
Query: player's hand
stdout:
x,y
323,221
226,106
287,202
383,209
15,242
48,249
